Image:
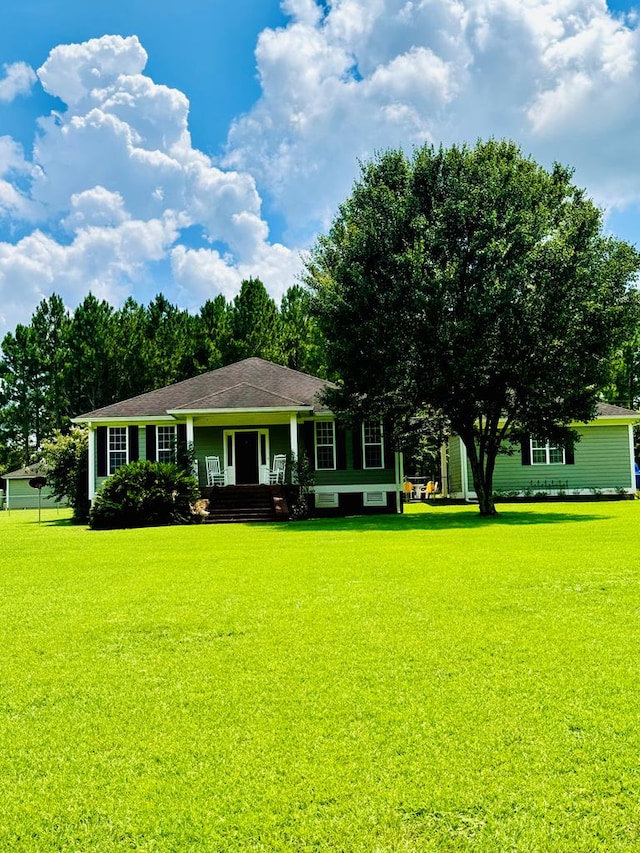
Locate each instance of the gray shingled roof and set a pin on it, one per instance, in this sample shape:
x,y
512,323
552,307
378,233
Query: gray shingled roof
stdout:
x,y
249,384
608,410
37,470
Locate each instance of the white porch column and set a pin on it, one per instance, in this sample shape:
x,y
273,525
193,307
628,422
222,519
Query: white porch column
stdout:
x,y
293,435
91,463
464,470
190,431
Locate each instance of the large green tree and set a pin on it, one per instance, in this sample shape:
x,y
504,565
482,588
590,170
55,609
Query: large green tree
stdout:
x,y
254,324
474,284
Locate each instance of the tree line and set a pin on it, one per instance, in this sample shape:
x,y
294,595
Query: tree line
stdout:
x,y
64,363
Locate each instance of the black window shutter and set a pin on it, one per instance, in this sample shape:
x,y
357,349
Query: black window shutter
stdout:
x,y
134,449
101,439
356,436
151,444
341,447
569,454
308,429
525,450
387,434
181,432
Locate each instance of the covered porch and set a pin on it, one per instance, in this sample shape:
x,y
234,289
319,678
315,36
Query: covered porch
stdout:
x,y
243,449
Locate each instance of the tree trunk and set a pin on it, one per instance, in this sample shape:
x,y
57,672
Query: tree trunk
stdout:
x,y
482,473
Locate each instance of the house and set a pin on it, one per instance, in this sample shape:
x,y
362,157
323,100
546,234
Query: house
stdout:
x,y
245,414
601,461
21,495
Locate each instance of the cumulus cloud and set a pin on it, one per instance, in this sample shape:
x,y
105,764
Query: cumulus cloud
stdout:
x,y
194,270
115,177
106,261
113,181
18,79
348,78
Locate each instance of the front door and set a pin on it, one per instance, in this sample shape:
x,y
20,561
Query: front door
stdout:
x,y
246,458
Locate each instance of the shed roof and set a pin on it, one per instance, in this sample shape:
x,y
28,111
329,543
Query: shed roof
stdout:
x,y
35,470
609,410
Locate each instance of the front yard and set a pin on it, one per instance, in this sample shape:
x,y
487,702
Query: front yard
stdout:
x,y
415,683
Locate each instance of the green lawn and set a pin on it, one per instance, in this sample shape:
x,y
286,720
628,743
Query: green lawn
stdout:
x,y
426,682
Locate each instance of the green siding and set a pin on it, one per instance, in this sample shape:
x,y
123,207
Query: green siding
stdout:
x,y
455,463
22,496
602,461
351,476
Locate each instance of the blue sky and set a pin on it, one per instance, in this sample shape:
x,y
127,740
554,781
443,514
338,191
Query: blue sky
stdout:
x,y
155,146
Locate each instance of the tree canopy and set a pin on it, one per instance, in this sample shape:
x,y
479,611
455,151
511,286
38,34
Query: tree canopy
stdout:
x,y
475,285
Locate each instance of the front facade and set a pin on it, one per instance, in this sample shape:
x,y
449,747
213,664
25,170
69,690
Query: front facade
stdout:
x,y
602,461
245,414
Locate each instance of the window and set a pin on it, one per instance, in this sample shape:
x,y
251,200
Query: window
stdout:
x,y
545,453
166,444
325,445
372,444
118,449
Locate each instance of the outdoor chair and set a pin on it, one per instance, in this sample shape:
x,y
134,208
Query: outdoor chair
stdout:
x,y
276,474
215,475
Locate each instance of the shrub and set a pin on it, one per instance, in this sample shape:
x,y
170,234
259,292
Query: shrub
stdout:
x,y
65,458
143,494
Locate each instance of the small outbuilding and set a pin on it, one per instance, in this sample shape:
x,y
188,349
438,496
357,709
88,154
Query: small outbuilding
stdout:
x,y
19,494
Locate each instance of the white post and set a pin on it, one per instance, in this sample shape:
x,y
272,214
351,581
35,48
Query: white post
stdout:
x,y
91,463
293,435
465,470
190,431
633,460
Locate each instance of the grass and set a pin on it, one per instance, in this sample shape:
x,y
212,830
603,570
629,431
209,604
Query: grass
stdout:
x,y
415,683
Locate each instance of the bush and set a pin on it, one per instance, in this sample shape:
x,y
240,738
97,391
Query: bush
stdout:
x,y
65,458
143,494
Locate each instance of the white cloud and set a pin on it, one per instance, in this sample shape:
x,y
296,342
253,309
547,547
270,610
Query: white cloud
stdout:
x,y
95,207
562,77
116,170
106,261
201,272
73,71
18,79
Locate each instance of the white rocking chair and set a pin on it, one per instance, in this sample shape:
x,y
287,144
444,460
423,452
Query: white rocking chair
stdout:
x,y
215,475
276,474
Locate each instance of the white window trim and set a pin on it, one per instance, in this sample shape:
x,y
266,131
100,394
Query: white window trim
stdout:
x,y
548,447
332,445
110,452
366,444
174,440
